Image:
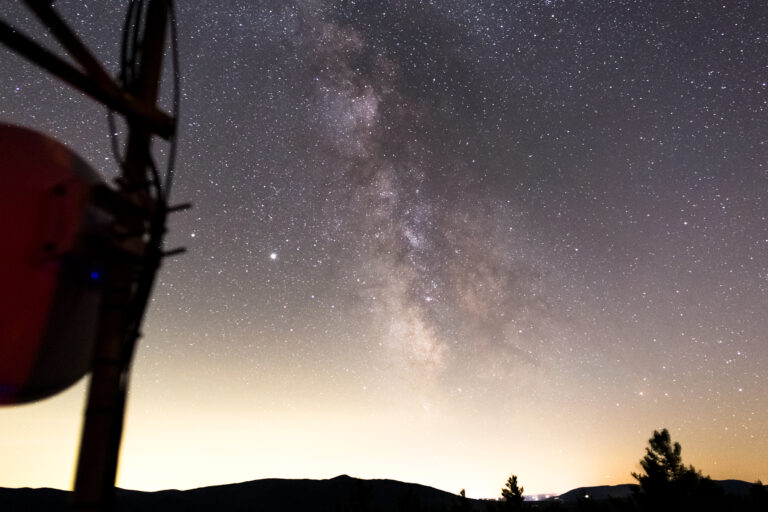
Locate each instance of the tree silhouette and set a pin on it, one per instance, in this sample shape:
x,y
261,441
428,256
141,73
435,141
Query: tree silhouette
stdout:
x,y
662,462
667,484
512,495
463,504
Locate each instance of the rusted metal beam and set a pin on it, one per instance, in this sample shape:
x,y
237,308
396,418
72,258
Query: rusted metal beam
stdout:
x,y
106,92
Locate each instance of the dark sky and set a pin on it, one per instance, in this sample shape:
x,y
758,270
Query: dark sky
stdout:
x,y
441,242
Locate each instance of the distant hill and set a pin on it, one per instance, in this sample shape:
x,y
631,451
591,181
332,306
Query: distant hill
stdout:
x,y
736,487
340,494
600,492
603,492
32,500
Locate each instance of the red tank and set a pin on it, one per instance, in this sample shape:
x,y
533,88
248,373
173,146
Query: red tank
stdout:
x,y
51,265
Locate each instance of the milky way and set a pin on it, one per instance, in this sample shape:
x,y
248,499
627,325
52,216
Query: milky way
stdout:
x,y
474,238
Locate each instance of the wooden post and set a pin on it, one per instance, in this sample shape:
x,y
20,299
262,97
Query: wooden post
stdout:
x,y
125,293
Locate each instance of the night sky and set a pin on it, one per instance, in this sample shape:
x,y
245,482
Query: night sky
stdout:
x,y
438,242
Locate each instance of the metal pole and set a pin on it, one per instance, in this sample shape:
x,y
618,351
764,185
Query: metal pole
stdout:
x,y
127,287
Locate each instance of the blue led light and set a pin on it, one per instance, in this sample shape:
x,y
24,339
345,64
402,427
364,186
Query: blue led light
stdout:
x,y
95,275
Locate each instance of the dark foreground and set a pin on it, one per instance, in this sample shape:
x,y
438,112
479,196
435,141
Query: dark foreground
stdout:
x,y
346,494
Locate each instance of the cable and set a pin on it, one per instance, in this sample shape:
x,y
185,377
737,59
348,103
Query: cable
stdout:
x,y
176,101
127,71
129,61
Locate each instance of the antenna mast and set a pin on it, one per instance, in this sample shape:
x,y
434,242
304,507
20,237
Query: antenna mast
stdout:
x,y
139,207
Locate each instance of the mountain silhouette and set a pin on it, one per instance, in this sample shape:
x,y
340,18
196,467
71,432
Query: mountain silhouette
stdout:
x,y
599,492
738,488
340,494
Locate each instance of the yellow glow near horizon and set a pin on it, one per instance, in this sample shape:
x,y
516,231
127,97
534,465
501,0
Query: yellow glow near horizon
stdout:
x,y
195,440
